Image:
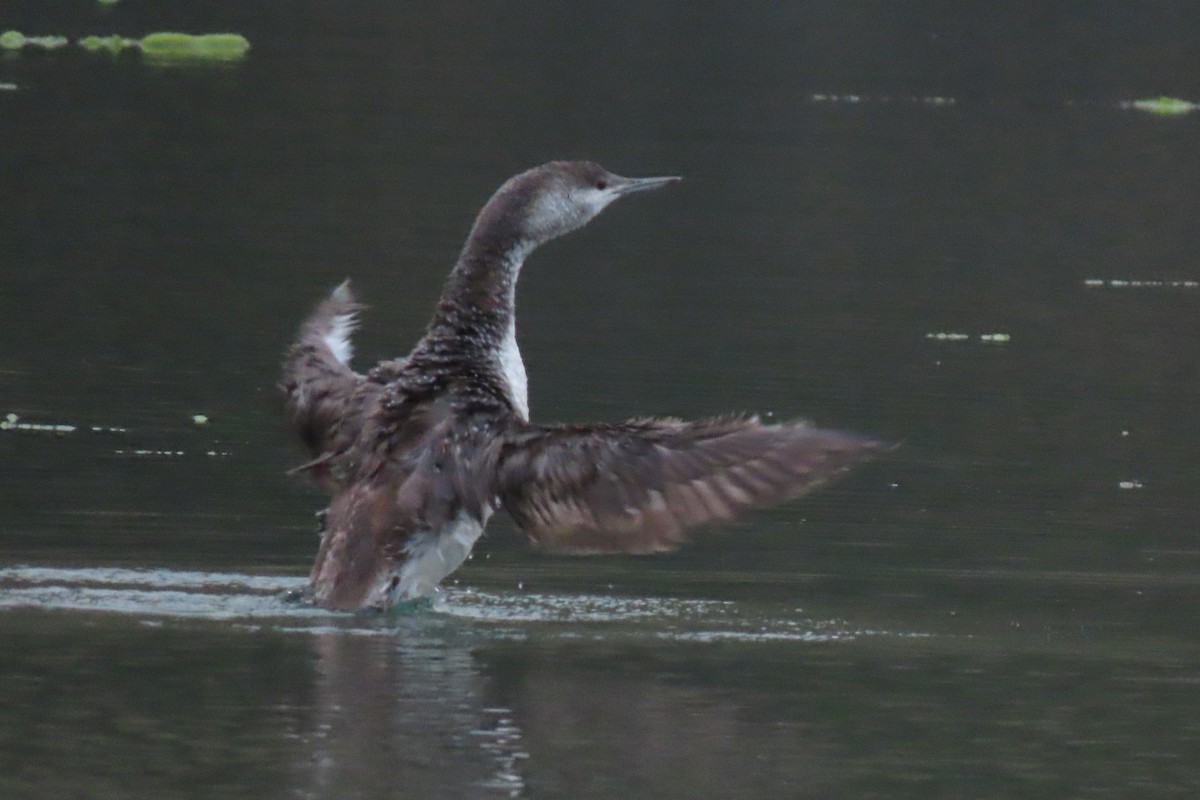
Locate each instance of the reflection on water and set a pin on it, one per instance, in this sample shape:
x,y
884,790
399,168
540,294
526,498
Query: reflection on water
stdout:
x,y
401,700
401,715
145,683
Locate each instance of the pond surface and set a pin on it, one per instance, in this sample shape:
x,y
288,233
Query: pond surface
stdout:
x,y
941,225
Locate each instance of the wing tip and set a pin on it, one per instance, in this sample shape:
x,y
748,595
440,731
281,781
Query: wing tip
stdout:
x,y
332,322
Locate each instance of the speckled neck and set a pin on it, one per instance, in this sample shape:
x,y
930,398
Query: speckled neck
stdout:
x,y
478,303
473,330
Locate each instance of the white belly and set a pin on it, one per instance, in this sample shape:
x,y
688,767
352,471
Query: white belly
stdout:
x,y
432,556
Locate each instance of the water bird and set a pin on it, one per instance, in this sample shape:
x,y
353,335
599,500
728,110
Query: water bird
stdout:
x,y
420,451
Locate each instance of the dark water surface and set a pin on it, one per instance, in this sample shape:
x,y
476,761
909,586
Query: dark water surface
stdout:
x,y
1005,607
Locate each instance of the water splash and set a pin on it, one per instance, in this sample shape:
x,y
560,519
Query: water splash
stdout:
x,y
254,602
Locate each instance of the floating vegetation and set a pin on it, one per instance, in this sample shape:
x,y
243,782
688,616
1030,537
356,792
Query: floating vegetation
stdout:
x,y
850,99
164,46
991,338
15,40
47,42
1162,106
185,46
113,44
1122,283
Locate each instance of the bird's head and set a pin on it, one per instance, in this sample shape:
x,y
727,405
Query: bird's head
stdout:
x,y
556,198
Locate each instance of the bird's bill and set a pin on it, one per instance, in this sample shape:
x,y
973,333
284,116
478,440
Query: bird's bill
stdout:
x,y
631,185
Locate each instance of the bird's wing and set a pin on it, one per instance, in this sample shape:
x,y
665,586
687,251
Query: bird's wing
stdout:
x,y
374,528
364,531
408,519
636,487
326,399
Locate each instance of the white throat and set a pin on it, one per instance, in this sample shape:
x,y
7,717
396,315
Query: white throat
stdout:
x,y
512,370
508,357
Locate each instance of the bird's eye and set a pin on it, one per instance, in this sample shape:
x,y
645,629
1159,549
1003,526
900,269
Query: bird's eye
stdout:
x,y
602,184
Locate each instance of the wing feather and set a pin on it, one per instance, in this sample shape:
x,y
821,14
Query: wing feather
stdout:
x,y
639,486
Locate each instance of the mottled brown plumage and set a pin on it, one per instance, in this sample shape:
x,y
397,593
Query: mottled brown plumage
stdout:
x,y
637,487
420,451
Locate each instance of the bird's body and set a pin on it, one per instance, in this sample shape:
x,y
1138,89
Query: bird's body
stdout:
x,y
420,451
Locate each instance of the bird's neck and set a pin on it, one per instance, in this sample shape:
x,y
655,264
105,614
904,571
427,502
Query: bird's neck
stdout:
x,y
474,327
478,302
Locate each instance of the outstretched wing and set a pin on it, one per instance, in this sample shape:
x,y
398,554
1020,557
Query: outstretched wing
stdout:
x,y
636,487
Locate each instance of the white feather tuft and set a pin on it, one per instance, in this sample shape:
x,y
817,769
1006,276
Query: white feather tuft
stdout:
x,y
337,339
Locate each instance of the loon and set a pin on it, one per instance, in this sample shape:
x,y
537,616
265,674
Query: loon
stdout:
x,y
419,452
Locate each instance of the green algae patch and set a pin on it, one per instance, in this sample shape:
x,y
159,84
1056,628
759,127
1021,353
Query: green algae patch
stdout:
x,y
47,42
15,40
111,44
167,46
1162,106
162,47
